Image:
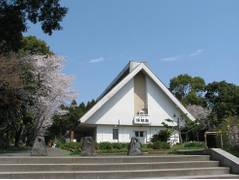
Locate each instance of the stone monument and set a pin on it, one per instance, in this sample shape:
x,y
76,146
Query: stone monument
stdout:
x,y
39,147
134,148
88,146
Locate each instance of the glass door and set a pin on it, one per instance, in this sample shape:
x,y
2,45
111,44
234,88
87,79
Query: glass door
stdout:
x,y
141,136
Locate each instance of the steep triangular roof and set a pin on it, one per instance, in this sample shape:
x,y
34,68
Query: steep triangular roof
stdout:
x,y
122,79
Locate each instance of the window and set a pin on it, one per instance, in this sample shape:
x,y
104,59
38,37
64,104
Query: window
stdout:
x,y
139,133
115,133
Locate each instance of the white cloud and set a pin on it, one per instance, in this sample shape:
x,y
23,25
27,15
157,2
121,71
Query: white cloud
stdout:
x,y
185,56
171,58
197,52
96,60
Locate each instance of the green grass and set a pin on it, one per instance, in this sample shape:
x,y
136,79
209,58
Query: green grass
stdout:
x,y
188,146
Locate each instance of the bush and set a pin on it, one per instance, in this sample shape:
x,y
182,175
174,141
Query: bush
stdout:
x,y
162,136
120,145
70,146
160,145
112,151
105,146
111,146
194,144
148,146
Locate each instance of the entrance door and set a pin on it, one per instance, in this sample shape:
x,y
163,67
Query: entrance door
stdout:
x,y
141,136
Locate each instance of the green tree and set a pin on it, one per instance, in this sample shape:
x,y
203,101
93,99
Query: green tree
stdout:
x,y
189,90
17,88
15,100
33,45
68,121
14,16
222,98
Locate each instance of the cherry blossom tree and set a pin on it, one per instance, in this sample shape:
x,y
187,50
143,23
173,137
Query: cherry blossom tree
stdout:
x,y
201,114
54,89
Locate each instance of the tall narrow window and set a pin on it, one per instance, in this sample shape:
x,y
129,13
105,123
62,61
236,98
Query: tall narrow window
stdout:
x,y
115,133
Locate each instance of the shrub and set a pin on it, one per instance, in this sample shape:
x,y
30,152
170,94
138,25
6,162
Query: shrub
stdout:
x,y
111,146
120,145
105,146
112,151
149,146
70,146
144,146
194,144
59,142
160,145
163,136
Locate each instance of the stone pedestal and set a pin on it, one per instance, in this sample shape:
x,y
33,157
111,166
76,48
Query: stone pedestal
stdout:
x,y
134,148
88,146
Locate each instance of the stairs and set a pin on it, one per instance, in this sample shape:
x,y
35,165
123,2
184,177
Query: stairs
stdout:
x,y
114,167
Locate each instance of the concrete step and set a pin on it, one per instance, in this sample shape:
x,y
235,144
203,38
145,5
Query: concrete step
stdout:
x,y
102,159
117,174
218,176
107,166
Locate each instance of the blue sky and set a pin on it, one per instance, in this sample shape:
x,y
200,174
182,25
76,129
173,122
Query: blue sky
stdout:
x,y
200,38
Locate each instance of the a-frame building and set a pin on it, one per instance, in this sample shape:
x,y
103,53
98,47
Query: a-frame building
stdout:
x,y
135,104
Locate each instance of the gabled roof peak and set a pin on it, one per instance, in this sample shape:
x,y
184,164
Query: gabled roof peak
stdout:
x,y
133,64
123,78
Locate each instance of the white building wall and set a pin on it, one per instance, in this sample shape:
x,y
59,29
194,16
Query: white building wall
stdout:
x,y
118,110
160,107
105,133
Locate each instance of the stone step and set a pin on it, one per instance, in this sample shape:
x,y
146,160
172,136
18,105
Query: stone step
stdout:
x,y
102,159
117,174
218,176
107,166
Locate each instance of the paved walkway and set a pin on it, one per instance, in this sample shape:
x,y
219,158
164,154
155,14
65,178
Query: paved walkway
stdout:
x,y
50,151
